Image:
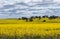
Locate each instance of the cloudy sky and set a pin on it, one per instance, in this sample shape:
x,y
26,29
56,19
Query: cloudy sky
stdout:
x,y
14,1
10,7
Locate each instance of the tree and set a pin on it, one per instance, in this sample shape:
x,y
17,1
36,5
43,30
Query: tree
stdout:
x,y
36,16
45,16
25,18
39,17
31,19
53,17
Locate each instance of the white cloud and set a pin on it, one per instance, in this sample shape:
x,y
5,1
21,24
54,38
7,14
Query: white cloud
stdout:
x,y
58,1
14,1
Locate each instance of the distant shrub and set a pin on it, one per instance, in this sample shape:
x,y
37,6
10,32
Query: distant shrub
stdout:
x,y
44,20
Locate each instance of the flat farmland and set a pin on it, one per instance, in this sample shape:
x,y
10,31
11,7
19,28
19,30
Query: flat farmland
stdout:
x,y
29,30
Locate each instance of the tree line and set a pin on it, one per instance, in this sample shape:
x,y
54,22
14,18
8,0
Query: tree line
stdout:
x,y
39,17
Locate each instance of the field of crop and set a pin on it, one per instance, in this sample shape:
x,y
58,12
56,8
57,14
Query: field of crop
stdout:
x,y
19,29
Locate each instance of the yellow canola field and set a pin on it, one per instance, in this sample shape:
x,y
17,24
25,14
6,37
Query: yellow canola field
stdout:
x,y
35,29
